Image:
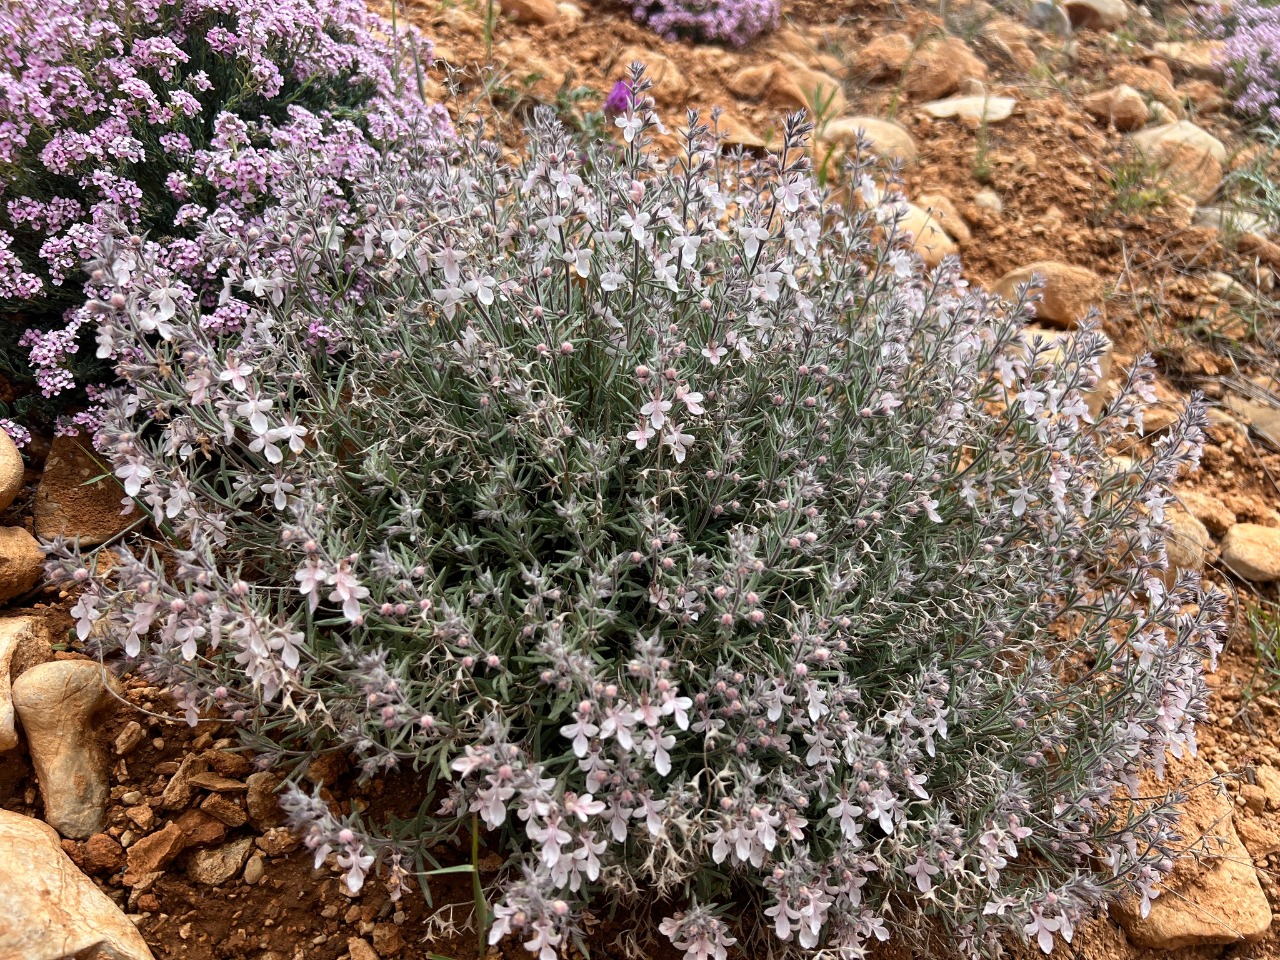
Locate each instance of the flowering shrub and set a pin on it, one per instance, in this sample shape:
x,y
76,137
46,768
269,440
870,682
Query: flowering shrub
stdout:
x,y
713,21
163,112
676,529
1250,57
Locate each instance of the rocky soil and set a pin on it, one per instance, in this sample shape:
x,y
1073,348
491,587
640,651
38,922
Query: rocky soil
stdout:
x,y
1090,144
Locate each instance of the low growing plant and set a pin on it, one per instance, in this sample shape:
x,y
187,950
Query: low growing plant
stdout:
x,y
736,22
1250,55
679,534
161,113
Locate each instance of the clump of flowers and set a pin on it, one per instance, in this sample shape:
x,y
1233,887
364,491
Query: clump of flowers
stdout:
x,y
161,113
687,540
1250,55
714,21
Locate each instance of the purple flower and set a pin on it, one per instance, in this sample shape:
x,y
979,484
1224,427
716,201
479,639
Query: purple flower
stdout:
x,y
619,100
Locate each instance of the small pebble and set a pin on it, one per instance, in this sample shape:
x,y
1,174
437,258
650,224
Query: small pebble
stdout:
x,y
132,798
253,870
158,743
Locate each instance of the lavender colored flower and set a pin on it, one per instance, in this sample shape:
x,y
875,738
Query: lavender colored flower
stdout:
x,y
735,22
155,114
1250,55
619,99
767,574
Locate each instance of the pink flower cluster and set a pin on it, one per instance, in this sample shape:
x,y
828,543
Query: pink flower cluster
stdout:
x,y
105,120
1250,55
713,21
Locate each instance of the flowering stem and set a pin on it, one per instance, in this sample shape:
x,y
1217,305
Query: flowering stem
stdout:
x,y
477,891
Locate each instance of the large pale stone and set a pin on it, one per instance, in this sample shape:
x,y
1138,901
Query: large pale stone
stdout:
x,y
67,503
1123,107
49,910
10,471
531,11
1213,895
1196,58
981,109
888,140
884,58
940,67
1067,295
1097,14
668,82
1262,418
57,703
1151,83
20,562
24,642
940,207
929,239
1187,545
1252,551
1184,133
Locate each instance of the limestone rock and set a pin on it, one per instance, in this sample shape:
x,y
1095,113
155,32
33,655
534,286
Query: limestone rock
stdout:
x,y
929,239
67,503
1049,17
1269,779
57,703
10,471
1013,40
359,949
177,792
1182,133
1068,293
1097,14
983,109
1208,899
1252,551
939,67
944,211
1259,839
668,82
254,869
735,132
990,201
1228,220
531,11
24,642
1122,107
1262,418
569,14
1148,82
752,82
1190,160
49,910
21,562
1206,96
1209,510
809,89
1188,544
884,58
217,866
888,140
200,829
153,853
261,800
1197,58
